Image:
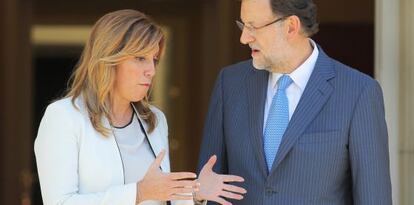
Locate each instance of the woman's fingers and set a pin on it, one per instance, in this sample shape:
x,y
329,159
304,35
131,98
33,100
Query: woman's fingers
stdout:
x,y
181,197
231,195
235,189
185,183
183,190
157,162
181,175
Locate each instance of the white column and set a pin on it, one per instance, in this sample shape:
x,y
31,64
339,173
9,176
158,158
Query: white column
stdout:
x,y
387,72
407,102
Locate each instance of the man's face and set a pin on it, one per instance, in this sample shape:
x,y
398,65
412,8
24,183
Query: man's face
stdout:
x,y
267,43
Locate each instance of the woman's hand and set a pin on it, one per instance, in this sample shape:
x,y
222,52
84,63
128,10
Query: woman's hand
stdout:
x,y
160,186
213,186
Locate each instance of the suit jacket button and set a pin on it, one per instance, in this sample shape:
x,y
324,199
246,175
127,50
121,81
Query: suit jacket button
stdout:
x,y
270,191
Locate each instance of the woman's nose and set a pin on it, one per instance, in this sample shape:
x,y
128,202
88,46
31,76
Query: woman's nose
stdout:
x,y
150,71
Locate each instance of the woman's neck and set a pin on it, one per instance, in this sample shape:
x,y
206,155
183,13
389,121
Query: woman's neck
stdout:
x,y
121,113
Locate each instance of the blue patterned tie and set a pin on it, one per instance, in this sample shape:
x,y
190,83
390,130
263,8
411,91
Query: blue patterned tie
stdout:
x,y
277,120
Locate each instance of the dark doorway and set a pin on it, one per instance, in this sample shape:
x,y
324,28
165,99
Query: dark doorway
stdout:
x,y
52,69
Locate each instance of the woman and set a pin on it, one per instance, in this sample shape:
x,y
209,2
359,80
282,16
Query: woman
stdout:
x,y
103,143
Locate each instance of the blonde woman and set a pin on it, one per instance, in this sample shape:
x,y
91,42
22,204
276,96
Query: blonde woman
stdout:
x,y
104,143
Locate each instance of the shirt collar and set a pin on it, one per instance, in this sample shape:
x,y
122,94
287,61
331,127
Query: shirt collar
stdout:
x,y
301,74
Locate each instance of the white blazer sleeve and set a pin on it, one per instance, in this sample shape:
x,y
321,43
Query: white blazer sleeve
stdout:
x,y
56,151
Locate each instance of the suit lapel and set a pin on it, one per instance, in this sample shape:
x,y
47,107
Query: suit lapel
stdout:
x,y
316,94
256,94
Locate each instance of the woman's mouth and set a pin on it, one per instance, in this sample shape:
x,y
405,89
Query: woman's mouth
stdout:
x,y
145,84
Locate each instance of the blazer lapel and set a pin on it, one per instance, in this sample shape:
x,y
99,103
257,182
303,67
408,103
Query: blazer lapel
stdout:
x,y
256,94
157,145
115,152
314,97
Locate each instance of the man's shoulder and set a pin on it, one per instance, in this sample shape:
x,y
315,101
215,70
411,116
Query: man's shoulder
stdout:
x,y
236,71
351,81
240,67
344,73
352,75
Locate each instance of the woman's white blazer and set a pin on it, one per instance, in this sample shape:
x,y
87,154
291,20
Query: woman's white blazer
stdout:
x,y
79,166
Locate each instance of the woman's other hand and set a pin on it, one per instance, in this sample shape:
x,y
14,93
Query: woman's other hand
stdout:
x,y
160,186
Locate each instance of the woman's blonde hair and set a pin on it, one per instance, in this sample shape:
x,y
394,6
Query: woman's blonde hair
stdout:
x,y
115,37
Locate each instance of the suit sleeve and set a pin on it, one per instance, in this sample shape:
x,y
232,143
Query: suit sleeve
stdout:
x,y
368,147
213,142
56,151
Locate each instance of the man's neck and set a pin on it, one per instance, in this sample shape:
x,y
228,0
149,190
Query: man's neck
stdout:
x,y
298,54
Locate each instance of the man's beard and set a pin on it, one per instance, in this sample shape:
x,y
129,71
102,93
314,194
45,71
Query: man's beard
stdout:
x,y
264,65
271,66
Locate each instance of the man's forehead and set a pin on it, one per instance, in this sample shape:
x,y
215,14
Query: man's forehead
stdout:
x,y
255,11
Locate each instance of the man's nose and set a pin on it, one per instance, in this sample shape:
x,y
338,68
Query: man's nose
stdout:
x,y
246,37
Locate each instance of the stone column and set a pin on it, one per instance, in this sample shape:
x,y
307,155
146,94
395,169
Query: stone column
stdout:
x,y
407,102
387,72
16,127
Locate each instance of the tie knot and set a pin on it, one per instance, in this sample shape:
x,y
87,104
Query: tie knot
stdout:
x,y
284,82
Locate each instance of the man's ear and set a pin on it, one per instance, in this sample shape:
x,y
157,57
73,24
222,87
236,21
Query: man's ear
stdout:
x,y
293,26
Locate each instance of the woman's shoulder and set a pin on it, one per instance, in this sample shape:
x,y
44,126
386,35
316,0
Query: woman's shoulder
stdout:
x,y
64,107
63,102
159,115
157,111
61,118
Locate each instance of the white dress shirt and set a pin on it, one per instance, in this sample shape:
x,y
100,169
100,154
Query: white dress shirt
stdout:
x,y
300,77
135,150
136,153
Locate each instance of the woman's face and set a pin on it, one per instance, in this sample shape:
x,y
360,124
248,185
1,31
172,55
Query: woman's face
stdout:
x,y
133,77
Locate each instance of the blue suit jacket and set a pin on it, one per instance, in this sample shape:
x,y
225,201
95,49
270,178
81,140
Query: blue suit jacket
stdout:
x,y
334,151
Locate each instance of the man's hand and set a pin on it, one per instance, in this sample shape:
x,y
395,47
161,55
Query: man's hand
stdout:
x,y
213,186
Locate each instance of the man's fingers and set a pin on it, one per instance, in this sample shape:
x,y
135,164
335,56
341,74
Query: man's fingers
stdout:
x,y
231,195
158,160
181,175
210,163
235,189
232,178
221,201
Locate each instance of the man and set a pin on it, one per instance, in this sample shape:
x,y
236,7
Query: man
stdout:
x,y
298,126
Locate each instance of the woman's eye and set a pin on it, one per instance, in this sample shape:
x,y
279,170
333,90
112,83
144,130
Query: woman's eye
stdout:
x,y
141,59
156,61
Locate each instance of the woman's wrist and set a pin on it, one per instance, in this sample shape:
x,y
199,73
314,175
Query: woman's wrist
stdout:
x,y
139,197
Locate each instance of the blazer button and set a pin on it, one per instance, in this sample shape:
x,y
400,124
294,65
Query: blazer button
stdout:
x,y
270,191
